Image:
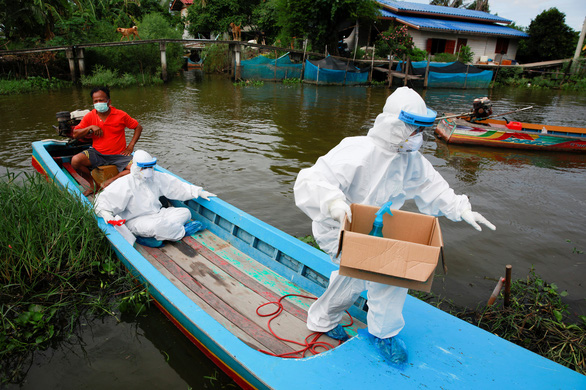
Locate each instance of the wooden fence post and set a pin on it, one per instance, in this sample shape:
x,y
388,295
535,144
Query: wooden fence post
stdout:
x,y
303,61
163,48
81,62
427,71
371,66
70,58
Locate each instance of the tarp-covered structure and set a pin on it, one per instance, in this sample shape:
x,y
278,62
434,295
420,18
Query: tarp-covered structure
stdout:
x,y
263,68
451,74
334,71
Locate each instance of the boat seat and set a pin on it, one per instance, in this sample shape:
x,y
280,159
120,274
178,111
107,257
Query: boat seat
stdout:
x,y
104,172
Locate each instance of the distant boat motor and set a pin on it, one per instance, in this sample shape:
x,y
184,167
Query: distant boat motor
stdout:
x,y
482,108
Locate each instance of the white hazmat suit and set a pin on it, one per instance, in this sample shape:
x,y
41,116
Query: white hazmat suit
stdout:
x,y
373,170
135,197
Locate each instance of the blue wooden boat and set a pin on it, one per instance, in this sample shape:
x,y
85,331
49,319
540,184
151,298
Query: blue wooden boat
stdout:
x,y
210,285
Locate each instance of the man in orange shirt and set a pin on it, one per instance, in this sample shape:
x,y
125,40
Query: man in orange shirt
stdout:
x,y
105,125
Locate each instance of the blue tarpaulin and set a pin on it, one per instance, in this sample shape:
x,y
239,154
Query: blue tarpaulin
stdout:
x,y
334,71
263,68
452,74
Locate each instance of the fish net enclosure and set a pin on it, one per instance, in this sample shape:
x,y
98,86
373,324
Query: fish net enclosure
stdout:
x,y
264,68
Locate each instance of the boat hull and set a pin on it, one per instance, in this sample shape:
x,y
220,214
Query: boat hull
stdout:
x,y
444,352
458,131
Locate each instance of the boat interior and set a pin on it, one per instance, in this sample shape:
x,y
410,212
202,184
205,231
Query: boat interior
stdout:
x,y
236,289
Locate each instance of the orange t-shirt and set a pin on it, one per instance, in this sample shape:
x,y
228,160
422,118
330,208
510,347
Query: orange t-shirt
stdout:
x,y
113,141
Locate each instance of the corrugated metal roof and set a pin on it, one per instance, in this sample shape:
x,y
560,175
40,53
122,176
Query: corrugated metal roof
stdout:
x,y
407,7
455,26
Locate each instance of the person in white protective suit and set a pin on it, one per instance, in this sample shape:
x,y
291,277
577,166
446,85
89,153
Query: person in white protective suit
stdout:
x,y
135,198
382,166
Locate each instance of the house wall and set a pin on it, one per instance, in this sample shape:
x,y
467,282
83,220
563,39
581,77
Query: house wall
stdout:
x,y
480,45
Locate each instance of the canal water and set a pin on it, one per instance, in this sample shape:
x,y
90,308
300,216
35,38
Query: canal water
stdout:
x,y
247,144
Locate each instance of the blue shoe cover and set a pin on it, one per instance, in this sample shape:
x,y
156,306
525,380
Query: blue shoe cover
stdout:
x,y
193,227
338,333
392,349
149,241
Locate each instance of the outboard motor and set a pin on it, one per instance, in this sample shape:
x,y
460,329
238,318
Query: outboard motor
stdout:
x,y
67,121
482,108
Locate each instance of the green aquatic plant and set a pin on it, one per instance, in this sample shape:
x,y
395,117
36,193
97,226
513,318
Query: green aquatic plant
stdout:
x,y
249,83
536,319
292,81
56,266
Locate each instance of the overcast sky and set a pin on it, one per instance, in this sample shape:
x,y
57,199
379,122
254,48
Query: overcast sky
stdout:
x,y
522,12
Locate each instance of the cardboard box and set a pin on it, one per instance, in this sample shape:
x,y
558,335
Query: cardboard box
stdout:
x,y
406,256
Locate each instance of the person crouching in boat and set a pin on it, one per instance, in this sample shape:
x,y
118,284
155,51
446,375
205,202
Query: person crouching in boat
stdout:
x,y
135,198
382,166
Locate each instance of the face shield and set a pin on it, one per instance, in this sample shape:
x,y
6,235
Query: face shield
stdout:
x,y
143,165
417,123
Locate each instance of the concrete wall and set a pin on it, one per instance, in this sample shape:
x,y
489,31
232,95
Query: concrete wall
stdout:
x,y
480,45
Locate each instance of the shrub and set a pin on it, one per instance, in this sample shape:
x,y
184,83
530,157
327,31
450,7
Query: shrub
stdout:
x,y
216,58
444,57
395,41
465,55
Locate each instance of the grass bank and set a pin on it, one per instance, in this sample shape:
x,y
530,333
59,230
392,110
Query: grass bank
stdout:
x,y
562,79
31,84
56,266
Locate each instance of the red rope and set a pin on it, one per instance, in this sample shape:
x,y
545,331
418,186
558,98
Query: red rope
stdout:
x,y
310,343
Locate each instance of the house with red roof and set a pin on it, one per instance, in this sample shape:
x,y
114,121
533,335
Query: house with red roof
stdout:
x,y
438,29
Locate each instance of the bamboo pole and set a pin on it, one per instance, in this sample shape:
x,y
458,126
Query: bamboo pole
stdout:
x,y
495,292
509,269
406,63
371,66
390,75
427,71
495,75
466,77
303,62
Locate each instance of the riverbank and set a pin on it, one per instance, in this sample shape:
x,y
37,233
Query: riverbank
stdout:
x,y
56,267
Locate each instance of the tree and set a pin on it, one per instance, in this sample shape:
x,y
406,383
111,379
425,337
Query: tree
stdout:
x,y
550,38
319,20
448,3
205,17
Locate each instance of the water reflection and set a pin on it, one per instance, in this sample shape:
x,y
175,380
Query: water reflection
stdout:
x,y
470,161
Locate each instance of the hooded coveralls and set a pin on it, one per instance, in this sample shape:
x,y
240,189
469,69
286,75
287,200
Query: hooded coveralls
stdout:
x,y
136,199
371,170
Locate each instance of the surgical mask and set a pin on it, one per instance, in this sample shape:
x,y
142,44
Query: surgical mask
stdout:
x,y
101,107
411,144
147,173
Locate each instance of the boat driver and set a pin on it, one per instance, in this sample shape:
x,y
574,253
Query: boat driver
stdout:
x,y
106,126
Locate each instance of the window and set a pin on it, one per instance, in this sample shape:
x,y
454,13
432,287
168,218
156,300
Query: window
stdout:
x,y
435,46
502,45
461,42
